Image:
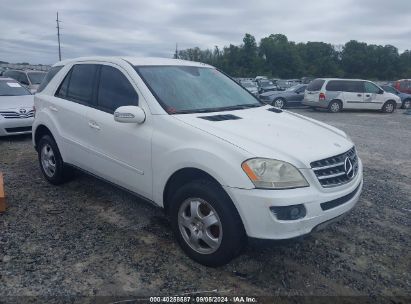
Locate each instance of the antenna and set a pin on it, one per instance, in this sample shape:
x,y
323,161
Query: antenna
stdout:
x,y
58,34
176,53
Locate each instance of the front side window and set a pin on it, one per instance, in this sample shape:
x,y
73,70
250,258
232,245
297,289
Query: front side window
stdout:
x,y
371,88
390,89
114,90
36,77
49,76
22,77
12,88
190,89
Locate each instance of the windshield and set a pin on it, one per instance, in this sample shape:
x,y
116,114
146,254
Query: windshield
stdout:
x,y
248,84
294,87
266,83
12,88
36,77
189,89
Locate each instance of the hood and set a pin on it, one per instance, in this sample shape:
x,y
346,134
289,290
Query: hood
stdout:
x,y
393,96
16,102
285,136
274,93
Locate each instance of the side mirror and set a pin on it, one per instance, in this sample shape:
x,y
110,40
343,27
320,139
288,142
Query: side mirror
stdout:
x,y
130,114
381,91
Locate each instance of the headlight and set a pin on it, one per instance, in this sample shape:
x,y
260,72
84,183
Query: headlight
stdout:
x,y
273,174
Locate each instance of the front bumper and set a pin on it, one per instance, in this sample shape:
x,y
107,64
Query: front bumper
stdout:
x,y
15,126
260,222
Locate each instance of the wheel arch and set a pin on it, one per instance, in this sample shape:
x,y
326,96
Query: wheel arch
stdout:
x,y
181,177
39,132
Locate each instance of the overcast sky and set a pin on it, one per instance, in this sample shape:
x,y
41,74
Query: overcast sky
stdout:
x,y
152,28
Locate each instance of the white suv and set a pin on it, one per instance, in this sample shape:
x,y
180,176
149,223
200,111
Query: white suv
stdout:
x,y
191,140
337,94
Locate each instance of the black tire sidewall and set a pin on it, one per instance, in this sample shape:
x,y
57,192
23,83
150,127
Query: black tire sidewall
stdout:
x,y
234,238
58,176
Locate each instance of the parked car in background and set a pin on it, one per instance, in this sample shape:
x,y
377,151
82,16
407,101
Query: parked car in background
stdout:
x,y
2,70
403,85
16,108
405,98
251,86
265,85
195,150
257,78
292,96
28,78
337,94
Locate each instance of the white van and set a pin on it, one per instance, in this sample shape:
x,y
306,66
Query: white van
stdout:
x,y
187,138
337,94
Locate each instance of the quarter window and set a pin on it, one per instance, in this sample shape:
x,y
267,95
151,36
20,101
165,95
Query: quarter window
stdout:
x,y
49,76
114,90
354,86
335,85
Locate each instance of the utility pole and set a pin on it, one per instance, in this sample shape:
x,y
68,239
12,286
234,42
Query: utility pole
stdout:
x,y
176,53
58,34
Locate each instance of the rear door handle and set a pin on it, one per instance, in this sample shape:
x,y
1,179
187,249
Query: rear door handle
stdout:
x,y
368,95
54,109
94,125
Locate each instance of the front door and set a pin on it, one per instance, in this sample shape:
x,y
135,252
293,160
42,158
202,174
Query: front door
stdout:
x,y
121,151
373,97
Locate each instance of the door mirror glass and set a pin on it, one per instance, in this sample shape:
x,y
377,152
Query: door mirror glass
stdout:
x,y
130,114
381,91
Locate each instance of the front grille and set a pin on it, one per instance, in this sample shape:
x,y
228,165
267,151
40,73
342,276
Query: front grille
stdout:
x,y
339,201
18,129
335,170
12,114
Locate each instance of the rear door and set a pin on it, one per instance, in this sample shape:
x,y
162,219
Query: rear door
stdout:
x,y
353,94
73,99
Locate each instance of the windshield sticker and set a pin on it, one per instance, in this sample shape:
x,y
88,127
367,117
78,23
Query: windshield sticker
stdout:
x,y
13,85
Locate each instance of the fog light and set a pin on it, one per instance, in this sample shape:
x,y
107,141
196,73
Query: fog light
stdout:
x,y
289,213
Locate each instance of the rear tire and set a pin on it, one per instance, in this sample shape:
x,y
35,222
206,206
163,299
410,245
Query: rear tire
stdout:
x,y
335,106
388,107
51,163
279,103
193,208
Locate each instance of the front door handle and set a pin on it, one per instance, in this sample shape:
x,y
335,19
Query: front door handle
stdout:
x,y
94,125
359,95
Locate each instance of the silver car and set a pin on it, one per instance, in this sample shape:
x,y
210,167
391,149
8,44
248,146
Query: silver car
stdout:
x,y
28,78
16,108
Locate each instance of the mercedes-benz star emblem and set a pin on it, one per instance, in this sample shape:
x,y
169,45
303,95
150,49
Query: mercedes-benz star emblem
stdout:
x,y
348,168
22,111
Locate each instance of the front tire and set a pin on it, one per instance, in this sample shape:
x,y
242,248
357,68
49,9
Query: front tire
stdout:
x,y
206,223
335,106
406,104
388,107
279,103
51,162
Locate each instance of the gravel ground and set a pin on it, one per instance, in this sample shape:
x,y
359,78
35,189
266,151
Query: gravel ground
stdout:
x,y
89,238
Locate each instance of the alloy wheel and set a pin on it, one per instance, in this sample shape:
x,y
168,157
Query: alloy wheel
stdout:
x,y
48,161
200,225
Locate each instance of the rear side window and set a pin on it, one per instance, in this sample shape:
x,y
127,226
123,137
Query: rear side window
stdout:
x,y
315,85
354,86
81,83
114,90
49,76
335,85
